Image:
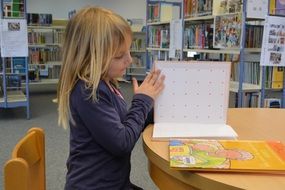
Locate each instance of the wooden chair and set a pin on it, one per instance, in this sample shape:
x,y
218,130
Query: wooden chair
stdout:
x,y
26,169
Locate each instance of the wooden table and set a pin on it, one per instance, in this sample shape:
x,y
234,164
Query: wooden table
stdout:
x,y
250,124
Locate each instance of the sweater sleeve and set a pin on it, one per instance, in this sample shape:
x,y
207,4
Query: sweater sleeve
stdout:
x,y
104,123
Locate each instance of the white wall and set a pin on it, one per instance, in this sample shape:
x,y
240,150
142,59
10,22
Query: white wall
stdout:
x,y
60,8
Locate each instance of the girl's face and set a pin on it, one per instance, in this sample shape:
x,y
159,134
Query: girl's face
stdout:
x,y
121,61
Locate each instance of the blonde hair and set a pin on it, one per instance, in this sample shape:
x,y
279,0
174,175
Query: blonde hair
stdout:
x,y
92,38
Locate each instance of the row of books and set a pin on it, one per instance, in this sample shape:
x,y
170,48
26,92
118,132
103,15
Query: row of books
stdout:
x,y
43,55
198,36
277,7
253,36
162,12
251,72
273,75
13,82
13,65
39,19
38,72
48,37
159,37
138,44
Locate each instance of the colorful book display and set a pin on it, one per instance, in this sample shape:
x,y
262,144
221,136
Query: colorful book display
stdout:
x,y
227,155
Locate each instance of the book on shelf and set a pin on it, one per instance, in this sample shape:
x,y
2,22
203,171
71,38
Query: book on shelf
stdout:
x,y
153,10
221,7
19,65
272,5
277,77
40,19
194,102
272,103
195,8
227,155
280,7
198,35
169,12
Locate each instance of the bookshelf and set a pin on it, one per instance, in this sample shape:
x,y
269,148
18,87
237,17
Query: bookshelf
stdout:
x,y
138,52
158,27
218,30
45,41
14,61
227,30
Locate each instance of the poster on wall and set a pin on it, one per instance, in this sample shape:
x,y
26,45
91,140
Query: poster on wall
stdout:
x,y
14,38
273,43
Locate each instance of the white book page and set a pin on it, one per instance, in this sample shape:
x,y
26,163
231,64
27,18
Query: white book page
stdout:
x,y
195,92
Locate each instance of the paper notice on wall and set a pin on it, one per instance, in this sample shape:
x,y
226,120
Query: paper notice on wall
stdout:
x,y
175,38
257,9
14,38
273,43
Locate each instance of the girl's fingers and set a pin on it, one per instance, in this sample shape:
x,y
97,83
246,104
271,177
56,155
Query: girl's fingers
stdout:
x,y
154,76
135,84
159,81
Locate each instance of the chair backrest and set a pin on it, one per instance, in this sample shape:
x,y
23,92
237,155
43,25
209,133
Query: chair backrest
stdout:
x,y
26,169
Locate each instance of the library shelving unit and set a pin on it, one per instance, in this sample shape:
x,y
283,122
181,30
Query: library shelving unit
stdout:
x,y
138,53
225,30
273,78
14,64
45,41
158,18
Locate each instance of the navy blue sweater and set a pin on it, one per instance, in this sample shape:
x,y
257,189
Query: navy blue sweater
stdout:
x,y
102,138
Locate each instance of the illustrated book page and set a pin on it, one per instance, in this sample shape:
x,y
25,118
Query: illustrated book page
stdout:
x,y
227,155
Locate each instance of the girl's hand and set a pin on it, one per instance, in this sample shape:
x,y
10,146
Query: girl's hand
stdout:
x,y
152,85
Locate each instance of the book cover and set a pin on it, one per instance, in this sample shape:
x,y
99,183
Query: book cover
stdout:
x,y
227,32
272,103
19,65
280,7
277,77
169,12
272,5
227,155
221,7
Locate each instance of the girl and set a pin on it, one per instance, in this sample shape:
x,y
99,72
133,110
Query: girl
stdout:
x,y
102,131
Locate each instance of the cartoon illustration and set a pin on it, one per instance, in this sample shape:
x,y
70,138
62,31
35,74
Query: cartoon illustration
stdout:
x,y
207,154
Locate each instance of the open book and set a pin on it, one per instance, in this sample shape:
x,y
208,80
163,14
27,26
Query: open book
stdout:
x,y
194,102
227,155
